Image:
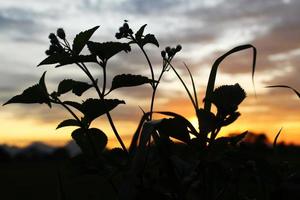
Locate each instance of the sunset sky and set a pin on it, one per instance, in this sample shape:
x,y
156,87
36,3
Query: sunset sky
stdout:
x,y
206,29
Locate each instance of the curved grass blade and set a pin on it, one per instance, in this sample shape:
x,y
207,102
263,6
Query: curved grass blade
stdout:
x,y
285,86
213,72
276,138
193,83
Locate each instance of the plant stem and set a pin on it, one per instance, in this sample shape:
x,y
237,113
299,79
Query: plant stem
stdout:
x,y
186,89
101,96
58,101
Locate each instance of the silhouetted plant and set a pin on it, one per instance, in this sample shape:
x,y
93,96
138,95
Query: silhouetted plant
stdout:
x,y
201,165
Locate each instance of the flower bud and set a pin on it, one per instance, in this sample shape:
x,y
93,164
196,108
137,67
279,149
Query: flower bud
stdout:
x,y
130,31
168,49
61,33
163,54
118,36
122,29
178,47
52,36
126,26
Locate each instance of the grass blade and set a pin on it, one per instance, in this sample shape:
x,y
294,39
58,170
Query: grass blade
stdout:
x,y
284,86
276,137
213,72
193,83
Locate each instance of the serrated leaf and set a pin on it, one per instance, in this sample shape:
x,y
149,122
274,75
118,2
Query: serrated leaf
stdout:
x,y
56,58
93,108
174,127
77,87
150,39
65,59
139,33
128,80
81,39
107,49
34,94
73,104
68,122
78,59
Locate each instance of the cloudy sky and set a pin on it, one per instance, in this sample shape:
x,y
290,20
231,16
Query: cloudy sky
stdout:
x,y
206,29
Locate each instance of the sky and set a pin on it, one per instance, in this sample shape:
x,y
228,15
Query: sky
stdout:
x,y
206,29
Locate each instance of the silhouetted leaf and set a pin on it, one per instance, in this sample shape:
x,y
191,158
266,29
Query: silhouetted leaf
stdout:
x,y
68,122
34,94
174,127
285,86
73,104
207,120
214,69
128,80
81,39
148,129
99,139
107,49
77,87
91,141
78,59
238,138
139,33
150,39
183,120
134,141
231,118
56,58
65,59
276,138
93,108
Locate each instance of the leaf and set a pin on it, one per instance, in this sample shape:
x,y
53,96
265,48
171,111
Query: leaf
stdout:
x,y
55,58
139,33
78,59
34,94
73,104
68,122
285,86
93,108
174,127
65,59
150,39
134,141
99,139
214,69
276,138
77,87
128,80
183,120
231,118
207,120
234,140
91,141
107,49
81,39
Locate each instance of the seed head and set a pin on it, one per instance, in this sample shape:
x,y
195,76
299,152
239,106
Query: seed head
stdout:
x,y
61,33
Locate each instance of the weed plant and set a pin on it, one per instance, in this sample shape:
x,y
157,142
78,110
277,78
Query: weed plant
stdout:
x,y
200,165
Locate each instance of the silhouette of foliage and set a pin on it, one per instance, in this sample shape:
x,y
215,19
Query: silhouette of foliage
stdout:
x,y
201,166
